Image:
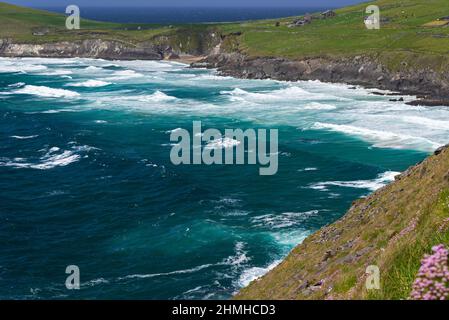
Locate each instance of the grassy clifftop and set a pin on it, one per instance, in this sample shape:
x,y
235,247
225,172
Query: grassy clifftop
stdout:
x,y
393,228
19,24
404,35
402,29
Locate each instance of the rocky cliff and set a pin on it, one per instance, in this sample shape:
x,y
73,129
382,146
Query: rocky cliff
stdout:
x,y
368,71
95,48
180,41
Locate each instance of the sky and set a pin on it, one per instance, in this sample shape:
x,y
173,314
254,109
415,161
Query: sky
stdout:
x,y
186,3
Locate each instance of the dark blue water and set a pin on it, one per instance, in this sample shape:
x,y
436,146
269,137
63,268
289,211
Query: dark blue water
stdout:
x,y
86,177
183,15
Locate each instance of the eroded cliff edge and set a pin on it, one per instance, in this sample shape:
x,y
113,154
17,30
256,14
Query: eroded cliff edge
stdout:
x,y
182,41
392,229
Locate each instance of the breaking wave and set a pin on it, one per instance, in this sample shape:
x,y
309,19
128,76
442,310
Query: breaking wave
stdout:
x,y
24,137
283,220
222,143
255,273
381,139
382,180
90,84
52,158
47,92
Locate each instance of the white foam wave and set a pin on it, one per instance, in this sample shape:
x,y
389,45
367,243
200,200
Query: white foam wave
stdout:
x,y
94,282
308,169
381,139
137,101
92,68
90,84
291,93
427,122
283,220
17,85
291,237
222,143
152,275
254,273
15,66
380,181
319,106
59,72
158,96
50,61
52,111
174,130
212,77
47,92
125,74
24,137
240,256
233,261
53,157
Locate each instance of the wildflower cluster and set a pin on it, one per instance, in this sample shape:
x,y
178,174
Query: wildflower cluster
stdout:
x,y
432,282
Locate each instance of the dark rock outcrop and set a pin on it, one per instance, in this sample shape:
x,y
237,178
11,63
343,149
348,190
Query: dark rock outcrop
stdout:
x,y
359,70
96,48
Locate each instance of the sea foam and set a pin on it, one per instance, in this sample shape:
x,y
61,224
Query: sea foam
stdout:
x,y
47,92
380,181
90,84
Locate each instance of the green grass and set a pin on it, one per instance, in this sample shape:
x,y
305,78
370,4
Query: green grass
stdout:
x,y
393,228
403,37
405,261
19,23
344,34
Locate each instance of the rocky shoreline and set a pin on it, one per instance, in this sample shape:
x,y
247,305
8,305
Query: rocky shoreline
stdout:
x,y
430,87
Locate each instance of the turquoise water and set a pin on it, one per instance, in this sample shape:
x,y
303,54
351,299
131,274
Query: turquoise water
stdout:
x,y
86,177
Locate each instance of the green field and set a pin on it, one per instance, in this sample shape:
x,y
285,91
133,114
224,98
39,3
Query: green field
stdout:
x,y
345,34
19,24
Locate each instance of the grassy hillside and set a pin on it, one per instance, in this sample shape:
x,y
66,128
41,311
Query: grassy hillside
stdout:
x,y
19,23
393,229
402,41
347,34
403,37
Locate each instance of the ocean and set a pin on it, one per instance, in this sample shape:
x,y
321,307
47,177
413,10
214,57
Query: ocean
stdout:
x,y
86,176
177,15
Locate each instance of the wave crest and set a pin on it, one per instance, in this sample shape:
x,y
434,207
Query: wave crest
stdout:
x,y
47,92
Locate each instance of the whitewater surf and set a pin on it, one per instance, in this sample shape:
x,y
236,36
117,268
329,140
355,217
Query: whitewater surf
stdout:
x,y
87,178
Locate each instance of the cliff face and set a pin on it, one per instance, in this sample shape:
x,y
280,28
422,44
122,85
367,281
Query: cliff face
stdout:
x,y
86,49
181,41
392,229
359,70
